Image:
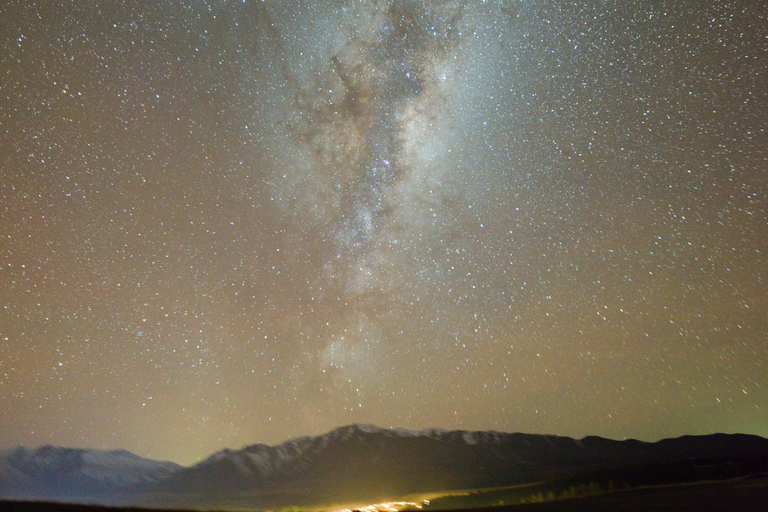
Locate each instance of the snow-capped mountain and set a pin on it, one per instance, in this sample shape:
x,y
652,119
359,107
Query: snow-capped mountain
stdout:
x,y
61,473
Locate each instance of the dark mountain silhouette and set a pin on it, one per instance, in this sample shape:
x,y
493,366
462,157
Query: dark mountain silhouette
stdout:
x,y
364,463
367,463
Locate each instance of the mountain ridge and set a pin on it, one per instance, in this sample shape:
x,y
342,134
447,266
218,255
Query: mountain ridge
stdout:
x,y
372,463
357,462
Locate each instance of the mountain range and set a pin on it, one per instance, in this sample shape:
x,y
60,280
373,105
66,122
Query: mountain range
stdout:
x,y
365,463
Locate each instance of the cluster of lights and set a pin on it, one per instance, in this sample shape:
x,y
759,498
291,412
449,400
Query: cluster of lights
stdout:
x,y
393,506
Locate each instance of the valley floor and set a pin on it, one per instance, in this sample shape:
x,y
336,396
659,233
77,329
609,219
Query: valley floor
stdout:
x,y
742,495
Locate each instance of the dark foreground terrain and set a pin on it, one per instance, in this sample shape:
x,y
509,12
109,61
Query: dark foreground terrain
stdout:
x,y
747,495
742,495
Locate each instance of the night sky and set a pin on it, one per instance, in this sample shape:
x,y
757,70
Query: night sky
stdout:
x,y
230,222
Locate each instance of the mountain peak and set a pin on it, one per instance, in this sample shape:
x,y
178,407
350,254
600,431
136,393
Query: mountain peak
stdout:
x,y
368,428
356,428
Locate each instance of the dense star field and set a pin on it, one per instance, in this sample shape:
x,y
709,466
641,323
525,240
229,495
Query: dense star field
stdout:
x,y
228,222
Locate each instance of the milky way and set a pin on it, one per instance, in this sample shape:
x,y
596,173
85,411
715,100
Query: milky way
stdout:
x,y
228,222
363,124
